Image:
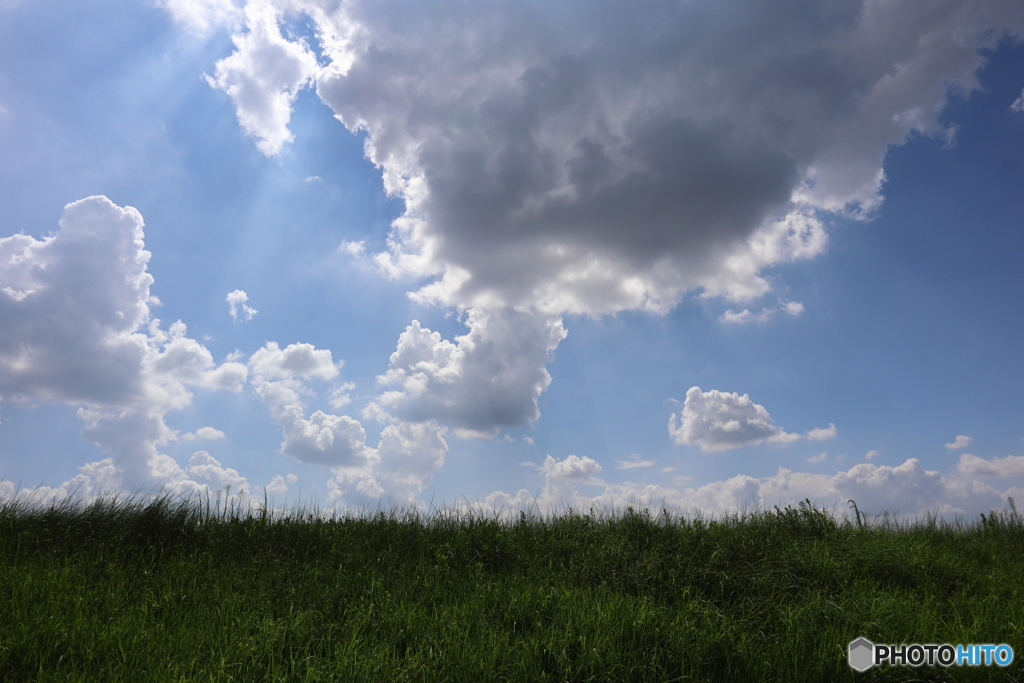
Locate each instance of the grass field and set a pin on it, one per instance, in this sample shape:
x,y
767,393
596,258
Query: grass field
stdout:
x,y
158,589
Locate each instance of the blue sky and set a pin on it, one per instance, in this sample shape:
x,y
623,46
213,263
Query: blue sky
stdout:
x,y
698,255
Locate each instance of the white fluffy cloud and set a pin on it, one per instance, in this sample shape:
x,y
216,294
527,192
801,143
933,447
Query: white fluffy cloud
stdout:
x,y
279,484
972,465
719,421
237,306
961,441
404,462
323,438
294,361
907,490
203,434
562,480
77,329
264,75
490,378
822,433
205,473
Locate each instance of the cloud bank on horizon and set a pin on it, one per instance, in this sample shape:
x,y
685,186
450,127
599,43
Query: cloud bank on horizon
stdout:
x,y
588,159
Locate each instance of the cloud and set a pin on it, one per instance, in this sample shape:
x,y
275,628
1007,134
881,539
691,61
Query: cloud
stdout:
x,y
961,441
322,439
72,304
720,421
205,473
279,484
573,467
581,161
295,361
489,378
264,76
1018,104
908,490
820,457
236,303
745,316
635,462
822,434
793,308
78,330
202,16
562,480
404,462
972,465
203,434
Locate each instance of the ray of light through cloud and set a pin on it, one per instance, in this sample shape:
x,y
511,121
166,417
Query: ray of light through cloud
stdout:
x,y
489,235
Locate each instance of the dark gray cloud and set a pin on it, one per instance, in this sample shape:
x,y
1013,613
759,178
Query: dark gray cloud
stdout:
x,y
600,156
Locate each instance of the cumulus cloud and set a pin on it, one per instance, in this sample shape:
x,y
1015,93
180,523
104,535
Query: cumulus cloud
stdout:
x,y
405,459
583,161
719,421
264,75
295,361
404,462
78,330
820,457
322,438
236,305
823,434
961,441
600,158
562,481
972,465
907,490
203,434
204,473
489,378
279,484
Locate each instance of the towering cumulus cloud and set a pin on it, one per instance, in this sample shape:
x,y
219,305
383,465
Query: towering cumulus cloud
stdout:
x,y
77,329
599,156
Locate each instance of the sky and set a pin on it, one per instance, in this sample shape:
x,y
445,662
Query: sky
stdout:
x,y
512,255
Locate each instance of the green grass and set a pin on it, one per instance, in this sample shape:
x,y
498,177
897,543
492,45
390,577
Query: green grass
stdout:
x,y
157,589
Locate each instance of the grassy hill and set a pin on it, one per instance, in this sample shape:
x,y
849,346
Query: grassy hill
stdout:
x,y
158,589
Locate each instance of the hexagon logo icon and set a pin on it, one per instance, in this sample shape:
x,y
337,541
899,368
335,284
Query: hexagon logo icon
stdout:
x,y
862,653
